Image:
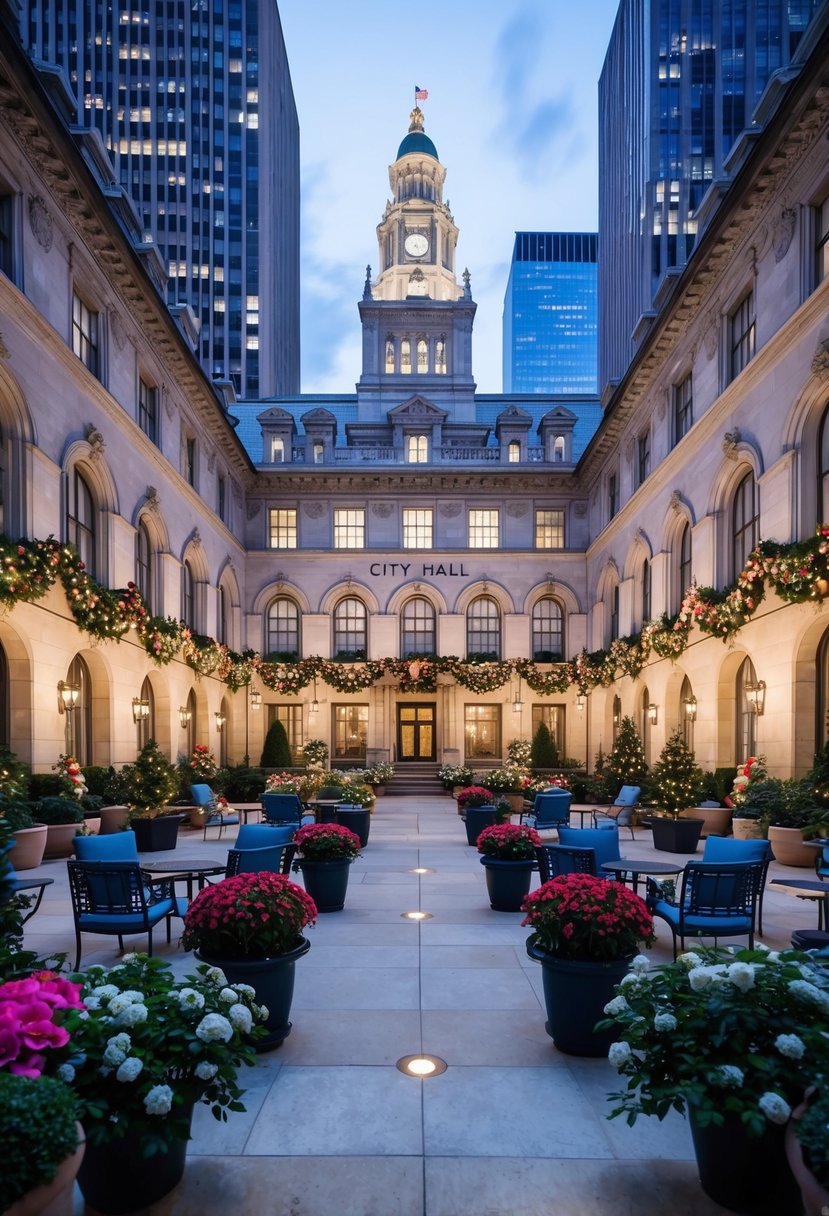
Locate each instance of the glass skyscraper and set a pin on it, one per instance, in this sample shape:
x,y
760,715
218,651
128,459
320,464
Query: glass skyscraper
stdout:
x,y
680,82
550,309
194,104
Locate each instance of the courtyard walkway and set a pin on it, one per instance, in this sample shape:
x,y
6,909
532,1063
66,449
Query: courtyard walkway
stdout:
x,y
512,1128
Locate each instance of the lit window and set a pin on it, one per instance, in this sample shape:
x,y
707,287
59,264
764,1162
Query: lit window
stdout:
x,y
417,625
277,451
483,529
406,357
744,523
417,449
483,629
548,644
283,529
440,357
349,528
514,452
417,528
350,630
422,356
389,355
558,449
549,529
319,453
282,629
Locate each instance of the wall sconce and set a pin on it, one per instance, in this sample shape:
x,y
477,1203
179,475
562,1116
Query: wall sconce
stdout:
x,y
653,714
581,701
256,699
220,719
67,696
315,705
140,710
691,708
756,696
185,715
518,704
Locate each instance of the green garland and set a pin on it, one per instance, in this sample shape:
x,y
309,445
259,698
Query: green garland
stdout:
x,y
796,573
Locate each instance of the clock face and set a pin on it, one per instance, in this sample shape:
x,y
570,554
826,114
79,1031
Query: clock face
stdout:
x,y
416,244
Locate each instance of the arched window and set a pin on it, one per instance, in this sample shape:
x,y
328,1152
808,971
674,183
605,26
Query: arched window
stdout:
x,y
224,732
389,355
223,617
282,629
746,719
744,523
646,591
188,596
80,520
617,717
144,565
483,629
319,453
548,631
614,612
683,566
277,451
192,722
78,721
145,726
514,452
422,356
558,449
440,357
350,633
687,713
406,357
645,721
823,469
417,627
417,449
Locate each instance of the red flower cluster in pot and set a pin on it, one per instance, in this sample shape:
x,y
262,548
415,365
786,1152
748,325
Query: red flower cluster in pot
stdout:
x,y
509,842
580,917
327,842
249,916
474,795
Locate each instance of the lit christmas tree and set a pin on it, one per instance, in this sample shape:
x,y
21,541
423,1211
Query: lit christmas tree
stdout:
x,y
677,779
152,781
624,765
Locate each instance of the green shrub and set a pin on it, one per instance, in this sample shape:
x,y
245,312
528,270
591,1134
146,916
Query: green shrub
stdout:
x,y
107,783
37,1124
151,782
17,816
543,751
241,783
277,752
45,785
53,810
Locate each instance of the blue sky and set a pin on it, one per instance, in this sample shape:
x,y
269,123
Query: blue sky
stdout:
x,y
512,111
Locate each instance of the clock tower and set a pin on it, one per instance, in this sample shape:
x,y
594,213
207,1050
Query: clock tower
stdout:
x,y
417,319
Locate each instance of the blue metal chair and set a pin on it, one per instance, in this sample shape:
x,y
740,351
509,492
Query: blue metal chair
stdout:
x,y
117,846
31,888
716,899
622,808
114,897
604,842
551,809
275,858
283,808
726,848
263,835
822,861
203,796
555,859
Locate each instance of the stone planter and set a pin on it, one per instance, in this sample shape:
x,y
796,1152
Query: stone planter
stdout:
x,y
113,819
789,849
53,1198
746,829
29,846
716,820
60,840
516,802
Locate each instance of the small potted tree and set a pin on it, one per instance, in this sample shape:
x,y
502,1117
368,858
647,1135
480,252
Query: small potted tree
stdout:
x,y
151,783
675,783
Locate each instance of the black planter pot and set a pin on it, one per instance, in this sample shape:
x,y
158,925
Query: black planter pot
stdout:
x,y
326,882
272,979
357,820
154,835
746,1174
676,835
478,818
575,994
507,882
116,1178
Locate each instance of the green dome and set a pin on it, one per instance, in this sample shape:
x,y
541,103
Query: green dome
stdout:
x,y
417,141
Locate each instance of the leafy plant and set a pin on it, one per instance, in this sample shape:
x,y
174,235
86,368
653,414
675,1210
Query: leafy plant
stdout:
x,y
519,752
315,752
579,916
151,782
37,1117
107,783
241,783
810,1124
676,781
16,815
451,775
55,810
508,780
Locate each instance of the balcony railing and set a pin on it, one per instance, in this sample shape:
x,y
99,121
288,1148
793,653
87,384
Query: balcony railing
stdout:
x,y
442,455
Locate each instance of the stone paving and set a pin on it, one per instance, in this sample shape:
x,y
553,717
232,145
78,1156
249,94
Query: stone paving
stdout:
x,y
332,1128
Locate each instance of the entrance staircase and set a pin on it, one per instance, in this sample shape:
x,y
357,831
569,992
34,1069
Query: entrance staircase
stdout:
x,y
413,778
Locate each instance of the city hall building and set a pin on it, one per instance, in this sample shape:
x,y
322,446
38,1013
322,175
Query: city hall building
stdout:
x,y
414,571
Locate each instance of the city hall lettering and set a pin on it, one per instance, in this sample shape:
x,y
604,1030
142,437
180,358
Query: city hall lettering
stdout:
x,y
378,569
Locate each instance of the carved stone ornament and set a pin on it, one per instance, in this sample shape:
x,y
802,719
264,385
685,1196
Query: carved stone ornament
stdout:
x,y
41,222
783,232
314,510
675,501
253,509
730,443
450,510
95,440
382,510
516,510
167,401
641,538
580,510
820,360
710,340
195,539
116,326
153,501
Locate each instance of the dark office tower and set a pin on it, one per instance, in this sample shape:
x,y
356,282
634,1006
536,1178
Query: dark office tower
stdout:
x,y
680,83
549,331
194,104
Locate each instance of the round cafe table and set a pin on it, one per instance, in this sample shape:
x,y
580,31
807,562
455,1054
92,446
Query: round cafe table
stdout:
x,y
627,870
188,871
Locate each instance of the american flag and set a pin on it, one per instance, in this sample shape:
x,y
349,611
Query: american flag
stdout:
x,y
421,94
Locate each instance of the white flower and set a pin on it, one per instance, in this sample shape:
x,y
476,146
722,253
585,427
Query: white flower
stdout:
x,y
130,1069
741,976
214,1028
129,958
241,1018
66,1073
619,1054
791,1046
215,975
700,978
809,994
189,998
133,1015
690,960
727,1075
263,1013
664,1022
245,990
117,1049
123,1000
92,1002
159,1100
775,1108
617,1005
205,1071
228,997
640,963
104,992
632,979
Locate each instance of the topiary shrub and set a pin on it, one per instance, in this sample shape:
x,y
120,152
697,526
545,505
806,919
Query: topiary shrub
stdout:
x,y
277,752
37,1118
543,751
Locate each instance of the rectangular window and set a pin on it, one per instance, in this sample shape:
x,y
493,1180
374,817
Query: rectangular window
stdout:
x,y
553,718
483,529
349,528
291,718
612,495
742,335
482,732
822,241
148,409
350,732
683,408
643,457
283,532
6,242
190,460
417,528
85,335
549,529
221,499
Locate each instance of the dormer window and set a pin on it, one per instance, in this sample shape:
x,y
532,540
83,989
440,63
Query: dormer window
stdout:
x,y
514,452
558,449
319,453
277,451
417,449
